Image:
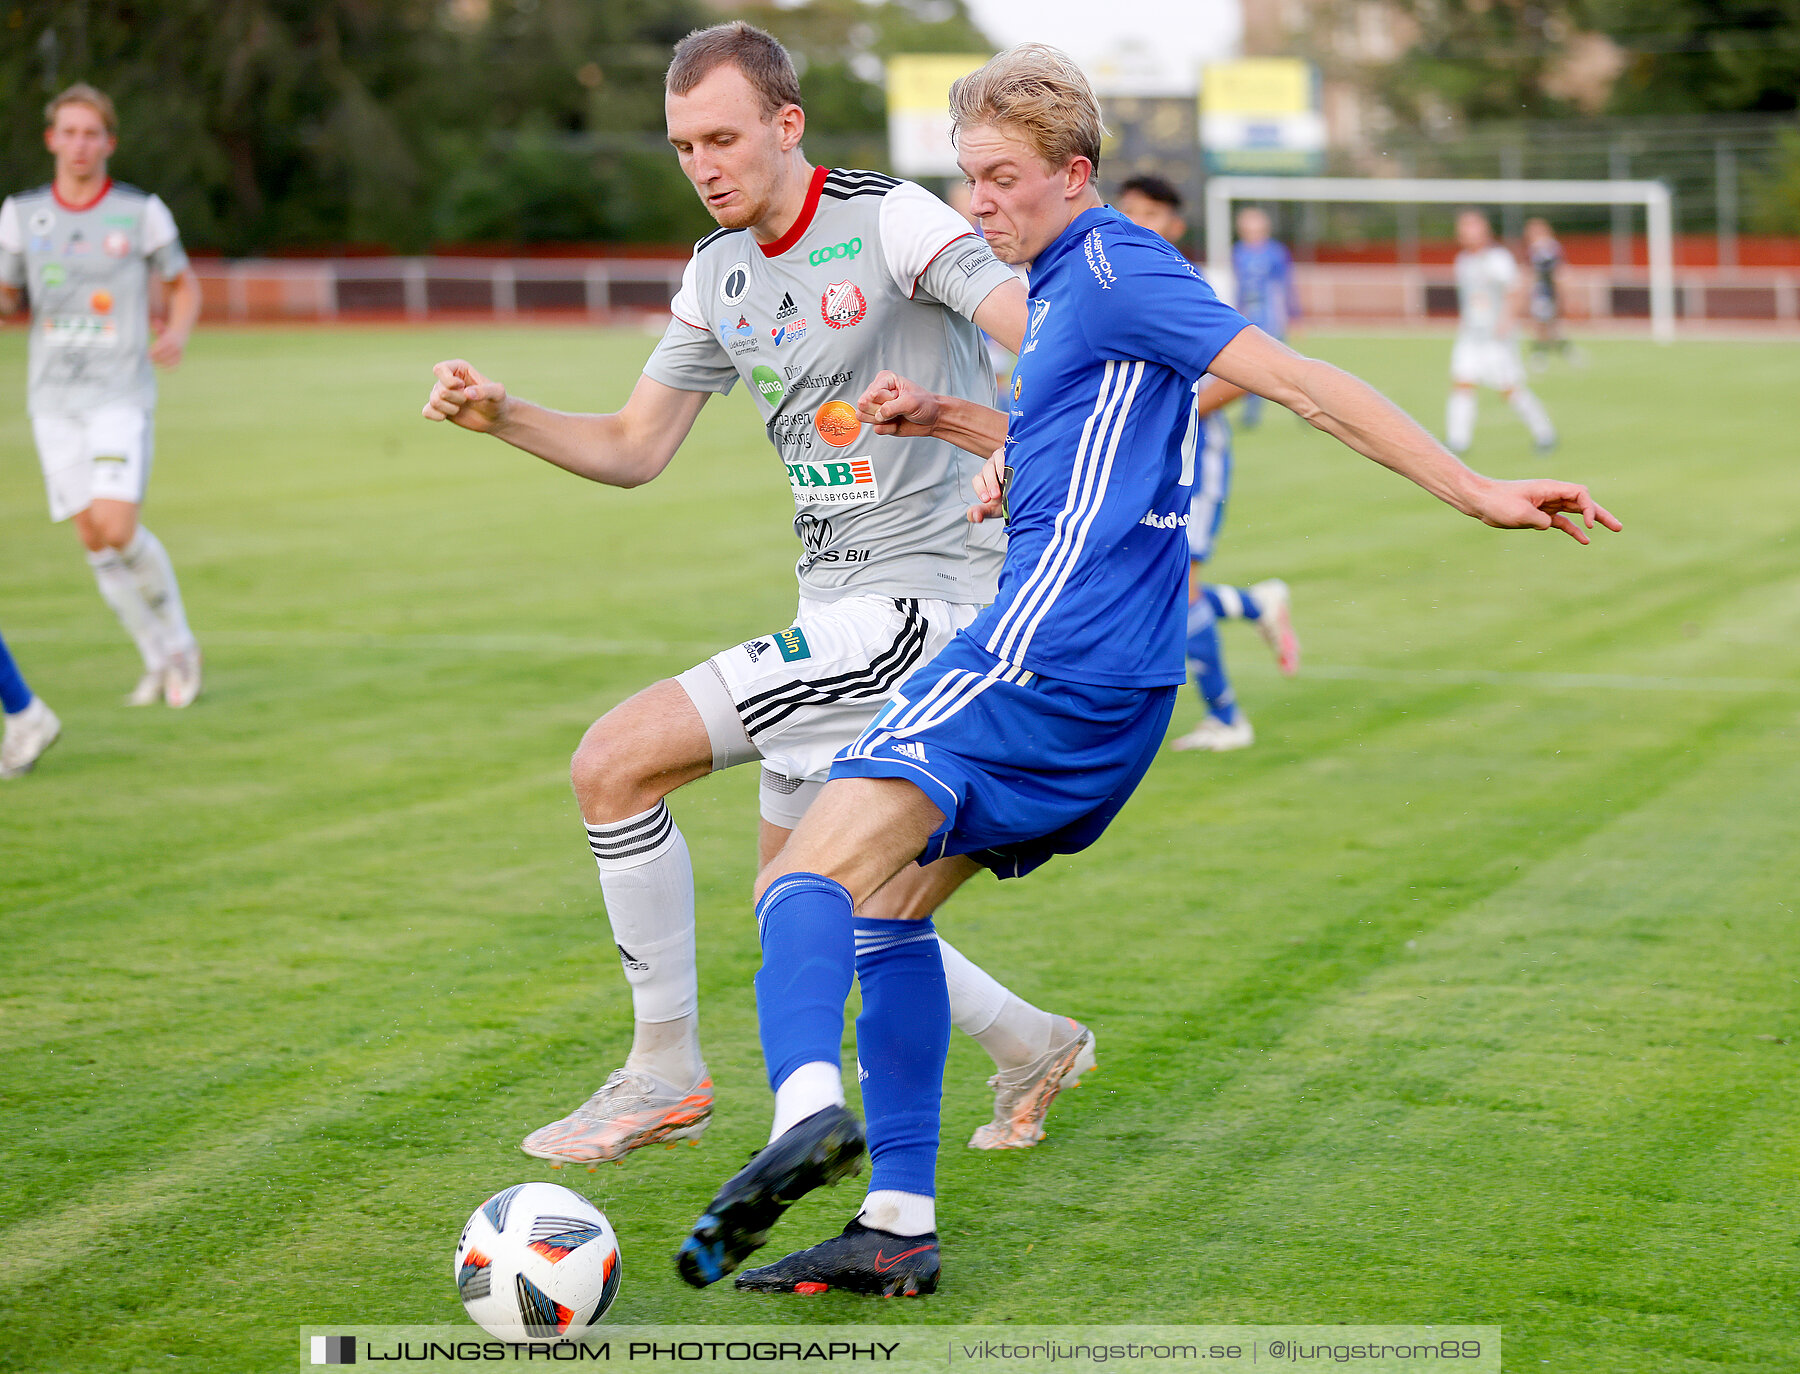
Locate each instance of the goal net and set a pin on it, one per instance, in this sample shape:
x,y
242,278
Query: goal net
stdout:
x,y
1222,192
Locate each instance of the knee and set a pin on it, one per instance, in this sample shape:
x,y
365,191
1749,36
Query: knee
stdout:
x,y
609,781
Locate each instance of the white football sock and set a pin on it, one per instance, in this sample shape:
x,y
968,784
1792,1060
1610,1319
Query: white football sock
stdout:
x,y
1528,408
647,880
1459,419
150,568
119,589
810,1088
1011,1030
899,1214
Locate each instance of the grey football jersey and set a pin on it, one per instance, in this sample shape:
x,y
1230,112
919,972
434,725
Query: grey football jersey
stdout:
x,y
876,273
88,273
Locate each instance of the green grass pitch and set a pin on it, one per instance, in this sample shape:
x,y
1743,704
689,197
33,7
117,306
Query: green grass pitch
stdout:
x,y
1470,994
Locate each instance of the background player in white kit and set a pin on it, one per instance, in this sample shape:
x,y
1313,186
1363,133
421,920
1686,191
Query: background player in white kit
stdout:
x,y
815,281
83,247
1486,353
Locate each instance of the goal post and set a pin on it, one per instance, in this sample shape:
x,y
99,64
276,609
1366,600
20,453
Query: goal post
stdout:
x,y
1223,191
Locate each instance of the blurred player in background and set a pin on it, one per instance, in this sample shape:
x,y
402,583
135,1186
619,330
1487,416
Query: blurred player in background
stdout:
x,y
1546,257
1264,270
31,726
1486,352
812,277
1154,204
84,247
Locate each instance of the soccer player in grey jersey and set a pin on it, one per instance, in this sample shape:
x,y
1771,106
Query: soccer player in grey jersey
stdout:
x,y
815,280
84,247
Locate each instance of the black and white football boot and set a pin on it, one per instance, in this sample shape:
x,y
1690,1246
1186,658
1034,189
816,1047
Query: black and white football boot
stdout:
x,y
810,1154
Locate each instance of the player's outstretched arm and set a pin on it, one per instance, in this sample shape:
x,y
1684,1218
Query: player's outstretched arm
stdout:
x,y
184,311
1352,411
624,449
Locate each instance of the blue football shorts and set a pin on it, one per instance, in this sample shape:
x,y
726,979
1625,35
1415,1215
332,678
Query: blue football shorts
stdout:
x,y
1022,766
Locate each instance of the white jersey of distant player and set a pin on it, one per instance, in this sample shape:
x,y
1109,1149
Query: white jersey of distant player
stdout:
x,y
1483,354
1484,279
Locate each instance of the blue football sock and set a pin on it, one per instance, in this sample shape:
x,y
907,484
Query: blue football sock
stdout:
x,y
1233,603
1206,657
809,958
15,696
902,1041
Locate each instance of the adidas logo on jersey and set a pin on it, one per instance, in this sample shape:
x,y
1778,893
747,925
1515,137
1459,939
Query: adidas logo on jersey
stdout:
x,y
912,751
787,309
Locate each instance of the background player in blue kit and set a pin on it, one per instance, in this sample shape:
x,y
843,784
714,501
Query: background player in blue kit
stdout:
x,y
1025,736
1152,203
1264,270
31,726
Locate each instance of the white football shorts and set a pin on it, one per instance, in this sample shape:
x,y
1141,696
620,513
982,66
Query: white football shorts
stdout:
x,y
794,698
1487,362
101,454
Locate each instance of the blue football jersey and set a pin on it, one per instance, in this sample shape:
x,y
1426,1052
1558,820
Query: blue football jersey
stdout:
x,y
1100,453
1265,282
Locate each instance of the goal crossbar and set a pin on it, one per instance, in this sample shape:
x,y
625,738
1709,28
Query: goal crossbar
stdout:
x,y
1222,191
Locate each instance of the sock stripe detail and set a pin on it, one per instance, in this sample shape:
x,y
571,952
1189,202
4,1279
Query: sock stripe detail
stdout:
x,y
632,838
876,940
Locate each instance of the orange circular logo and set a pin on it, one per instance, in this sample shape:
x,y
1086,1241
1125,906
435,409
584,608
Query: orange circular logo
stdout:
x,y
100,302
838,423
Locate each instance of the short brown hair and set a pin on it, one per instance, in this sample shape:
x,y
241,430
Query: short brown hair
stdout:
x,y
1038,93
758,55
83,94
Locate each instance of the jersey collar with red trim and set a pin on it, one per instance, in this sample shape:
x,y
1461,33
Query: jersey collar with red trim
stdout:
x,y
86,205
804,222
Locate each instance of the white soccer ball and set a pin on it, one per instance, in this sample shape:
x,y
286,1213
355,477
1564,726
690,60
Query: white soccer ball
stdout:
x,y
537,1263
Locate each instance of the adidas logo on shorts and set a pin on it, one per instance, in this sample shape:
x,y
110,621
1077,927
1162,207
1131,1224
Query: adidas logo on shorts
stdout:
x,y
912,751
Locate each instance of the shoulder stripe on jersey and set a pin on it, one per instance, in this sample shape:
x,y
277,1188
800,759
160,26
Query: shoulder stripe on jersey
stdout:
x,y
1091,513
712,238
1087,493
852,174
876,191
883,673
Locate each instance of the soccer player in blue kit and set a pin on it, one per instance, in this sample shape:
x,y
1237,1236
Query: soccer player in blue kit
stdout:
x,y
1024,737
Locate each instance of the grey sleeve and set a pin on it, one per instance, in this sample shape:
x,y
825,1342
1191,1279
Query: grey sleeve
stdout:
x,y
12,246
962,276
162,242
691,359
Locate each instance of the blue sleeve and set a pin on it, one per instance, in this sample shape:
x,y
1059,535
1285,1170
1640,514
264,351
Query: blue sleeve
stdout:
x,y
1157,308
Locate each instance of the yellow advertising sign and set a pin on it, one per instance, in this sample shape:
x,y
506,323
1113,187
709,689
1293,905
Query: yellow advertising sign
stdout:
x,y
919,83
1257,85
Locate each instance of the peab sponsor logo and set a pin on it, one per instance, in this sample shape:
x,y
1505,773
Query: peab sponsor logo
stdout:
x,y
844,482
767,384
842,304
847,251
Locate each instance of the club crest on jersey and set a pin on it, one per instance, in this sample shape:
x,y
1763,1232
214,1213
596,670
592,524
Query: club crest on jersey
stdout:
x,y
736,284
843,305
788,333
116,244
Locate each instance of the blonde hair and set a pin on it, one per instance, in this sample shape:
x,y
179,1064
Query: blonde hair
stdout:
x,y
83,94
1037,93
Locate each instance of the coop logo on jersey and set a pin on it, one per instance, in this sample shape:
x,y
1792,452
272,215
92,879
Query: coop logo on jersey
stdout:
x,y
736,284
843,305
792,643
820,256
768,384
116,244
846,482
838,423
787,309
42,221
788,333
